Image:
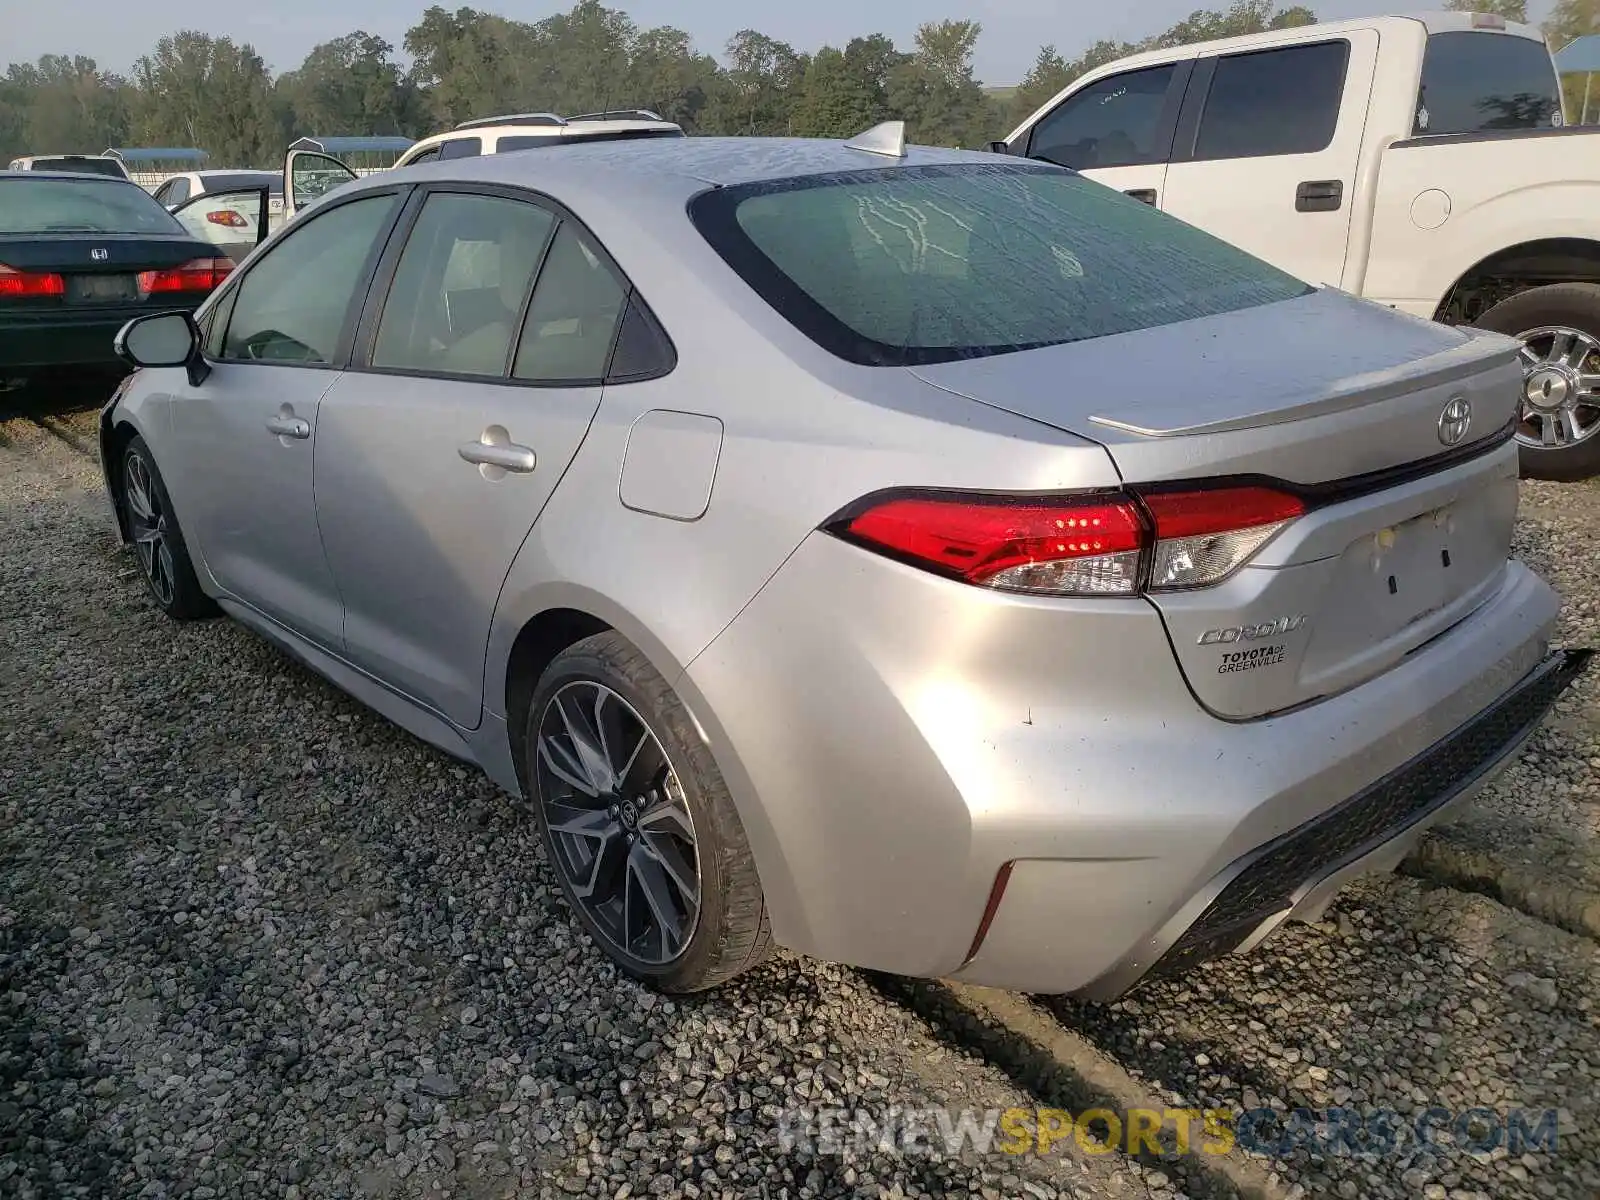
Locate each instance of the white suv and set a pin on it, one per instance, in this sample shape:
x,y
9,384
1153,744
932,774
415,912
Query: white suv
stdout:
x,y
80,164
314,173
532,131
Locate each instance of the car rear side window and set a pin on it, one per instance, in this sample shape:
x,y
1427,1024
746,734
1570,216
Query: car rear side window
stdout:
x,y
1473,82
900,266
1273,102
572,318
467,147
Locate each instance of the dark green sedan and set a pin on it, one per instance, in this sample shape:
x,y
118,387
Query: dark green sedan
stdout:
x,y
80,255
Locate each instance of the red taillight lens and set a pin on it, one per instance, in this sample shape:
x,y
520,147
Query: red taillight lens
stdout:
x,y
226,216
1203,537
1088,546
14,283
197,275
1075,545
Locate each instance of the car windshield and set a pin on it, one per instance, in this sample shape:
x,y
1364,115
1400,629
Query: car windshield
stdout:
x,y
907,265
86,205
81,166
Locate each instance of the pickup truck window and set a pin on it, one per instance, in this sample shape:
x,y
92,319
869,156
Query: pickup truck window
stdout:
x,y
1273,102
1473,82
1114,122
900,266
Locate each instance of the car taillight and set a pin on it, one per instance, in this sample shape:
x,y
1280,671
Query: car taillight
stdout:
x,y
1068,547
1095,545
1203,537
226,216
197,275
30,283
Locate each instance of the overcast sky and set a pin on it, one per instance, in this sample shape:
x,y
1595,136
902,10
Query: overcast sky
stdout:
x,y
115,32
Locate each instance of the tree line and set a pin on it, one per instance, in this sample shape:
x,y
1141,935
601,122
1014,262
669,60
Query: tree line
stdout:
x,y
193,89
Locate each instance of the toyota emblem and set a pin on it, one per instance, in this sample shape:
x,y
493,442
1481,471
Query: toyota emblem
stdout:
x,y
1453,421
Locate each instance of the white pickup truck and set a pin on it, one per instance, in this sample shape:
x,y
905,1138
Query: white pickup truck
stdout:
x,y
1421,161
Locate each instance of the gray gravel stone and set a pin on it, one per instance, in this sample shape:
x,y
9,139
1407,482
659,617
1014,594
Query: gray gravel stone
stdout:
x,y
256,942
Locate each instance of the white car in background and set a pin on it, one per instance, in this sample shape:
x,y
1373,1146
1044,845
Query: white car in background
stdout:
x,y
78,164
234,218
243,208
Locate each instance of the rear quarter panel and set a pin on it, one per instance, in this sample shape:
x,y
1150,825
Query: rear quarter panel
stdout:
x,y
1442,207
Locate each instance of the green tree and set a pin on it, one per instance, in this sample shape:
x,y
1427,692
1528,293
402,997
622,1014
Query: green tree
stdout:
x,y
761,84
62,105
1511,10
935,92
844,92
350,85
197,90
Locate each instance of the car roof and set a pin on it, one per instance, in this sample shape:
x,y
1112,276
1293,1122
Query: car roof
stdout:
x,y
677,165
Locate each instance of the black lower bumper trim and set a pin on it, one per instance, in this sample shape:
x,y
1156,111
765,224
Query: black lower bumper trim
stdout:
x,y
1266,882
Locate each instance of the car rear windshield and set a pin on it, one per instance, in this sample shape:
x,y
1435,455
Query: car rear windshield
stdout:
x,y
908,265
1473,82
80,206
82,166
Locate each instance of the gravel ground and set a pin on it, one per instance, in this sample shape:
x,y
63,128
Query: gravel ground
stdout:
x,y
255,941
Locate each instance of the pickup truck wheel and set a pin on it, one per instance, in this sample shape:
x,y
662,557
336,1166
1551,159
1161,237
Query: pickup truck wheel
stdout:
x,y
1558,422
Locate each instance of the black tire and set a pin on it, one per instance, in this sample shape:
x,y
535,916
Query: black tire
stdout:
x,y
158,540
1560,305
730,933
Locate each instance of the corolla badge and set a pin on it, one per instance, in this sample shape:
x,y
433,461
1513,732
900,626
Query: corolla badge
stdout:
x,y
99,254
1249,633
1453,421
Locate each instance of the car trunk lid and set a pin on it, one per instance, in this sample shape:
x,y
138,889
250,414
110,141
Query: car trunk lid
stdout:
x,y
97,270
1393,431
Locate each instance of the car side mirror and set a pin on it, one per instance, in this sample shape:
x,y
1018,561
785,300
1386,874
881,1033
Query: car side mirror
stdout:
x,y
999,148
169,339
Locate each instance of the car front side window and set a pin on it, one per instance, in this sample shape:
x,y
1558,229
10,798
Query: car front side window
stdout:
x,y
296,301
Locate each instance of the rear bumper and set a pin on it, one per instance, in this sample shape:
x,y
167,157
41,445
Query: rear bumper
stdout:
x,y
32,342
894,742
1296,876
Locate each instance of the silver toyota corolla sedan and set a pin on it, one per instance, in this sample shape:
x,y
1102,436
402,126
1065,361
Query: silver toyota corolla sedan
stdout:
x,y
939,564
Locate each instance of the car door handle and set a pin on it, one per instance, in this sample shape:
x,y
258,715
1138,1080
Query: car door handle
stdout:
x,y
1319,195
289,427
508,456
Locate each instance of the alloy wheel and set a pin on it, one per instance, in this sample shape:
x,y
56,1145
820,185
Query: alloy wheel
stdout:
x,y
621,832
149,528
1560,388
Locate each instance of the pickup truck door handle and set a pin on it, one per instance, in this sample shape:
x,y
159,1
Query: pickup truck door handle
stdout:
x,y
1143,195
1319,195
286,424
